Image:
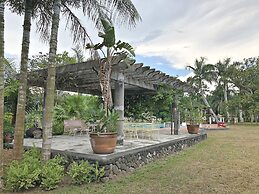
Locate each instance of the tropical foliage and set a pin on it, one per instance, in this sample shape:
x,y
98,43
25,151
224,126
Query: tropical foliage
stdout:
x,y
236,88
111,50
74,107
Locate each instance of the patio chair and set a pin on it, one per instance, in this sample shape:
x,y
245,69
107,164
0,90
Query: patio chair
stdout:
x,y
72,127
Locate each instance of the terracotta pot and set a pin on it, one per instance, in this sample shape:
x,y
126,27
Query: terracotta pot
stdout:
x,y
193,129
103,143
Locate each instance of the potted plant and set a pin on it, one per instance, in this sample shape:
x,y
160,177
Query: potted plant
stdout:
x,y
103,136
195,119
193,114
112,52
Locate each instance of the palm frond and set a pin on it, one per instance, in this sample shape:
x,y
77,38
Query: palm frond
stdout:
x,y
190,68
78,31
44,18
123,12
95,11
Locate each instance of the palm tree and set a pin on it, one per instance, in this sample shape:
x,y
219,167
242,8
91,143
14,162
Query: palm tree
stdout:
x,y
222,71
20,113
2,6
202,72
50,93
30,8
112,49
120,10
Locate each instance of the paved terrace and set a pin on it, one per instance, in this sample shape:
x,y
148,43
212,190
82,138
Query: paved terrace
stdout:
x,y
80,144
132,154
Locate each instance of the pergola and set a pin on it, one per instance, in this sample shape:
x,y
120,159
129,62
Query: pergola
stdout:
x,y
126,79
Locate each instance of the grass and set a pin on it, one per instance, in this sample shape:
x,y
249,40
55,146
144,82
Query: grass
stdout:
x,y
227,162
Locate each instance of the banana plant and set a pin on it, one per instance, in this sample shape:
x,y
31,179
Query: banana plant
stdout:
x,y
109,48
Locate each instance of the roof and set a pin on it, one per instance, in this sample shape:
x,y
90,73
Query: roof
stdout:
x,y
83,78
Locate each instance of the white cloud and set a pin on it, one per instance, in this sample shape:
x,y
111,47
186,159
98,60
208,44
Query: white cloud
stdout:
x,y
178,31
214,29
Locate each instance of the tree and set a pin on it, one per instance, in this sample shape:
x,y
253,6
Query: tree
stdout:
x,y
94,10
2,6
30,9
244,76
202,72
50,88
110,49
20,113
222,71
216,99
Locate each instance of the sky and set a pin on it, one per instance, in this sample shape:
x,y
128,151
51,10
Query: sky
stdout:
x,y
171,35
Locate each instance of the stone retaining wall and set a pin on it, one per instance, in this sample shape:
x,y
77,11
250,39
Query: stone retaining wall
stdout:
x,y
131,161
123,162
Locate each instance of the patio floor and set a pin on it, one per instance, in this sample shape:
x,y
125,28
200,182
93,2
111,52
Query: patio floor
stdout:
x,y
81,143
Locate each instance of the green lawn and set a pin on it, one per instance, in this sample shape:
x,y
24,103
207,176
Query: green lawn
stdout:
x,y
227,162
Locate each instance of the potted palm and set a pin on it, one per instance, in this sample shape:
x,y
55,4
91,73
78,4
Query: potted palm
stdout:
x,y
103,135
113,52
193,114
195,119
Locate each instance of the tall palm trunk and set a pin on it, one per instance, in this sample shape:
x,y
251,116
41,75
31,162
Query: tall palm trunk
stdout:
x,y
226,100
208,105
50,89
1,90
21,102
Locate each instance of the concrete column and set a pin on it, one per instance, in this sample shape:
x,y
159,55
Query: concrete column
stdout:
x,y
241,119
178,119
210,121
119,107
176,116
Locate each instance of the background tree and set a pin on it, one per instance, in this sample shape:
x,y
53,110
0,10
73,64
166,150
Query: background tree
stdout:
x,y
20,113
244,76
216,99
222,71
202,72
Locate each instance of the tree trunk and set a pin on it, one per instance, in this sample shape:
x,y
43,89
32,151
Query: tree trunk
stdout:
x,y
104,77
21,102
226,99
1,89
50,89
207,104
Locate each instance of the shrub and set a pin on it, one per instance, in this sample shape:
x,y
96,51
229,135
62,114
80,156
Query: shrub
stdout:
x,y
52,173
97,172
30,172
58,127
80,173
24,174
83,172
